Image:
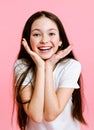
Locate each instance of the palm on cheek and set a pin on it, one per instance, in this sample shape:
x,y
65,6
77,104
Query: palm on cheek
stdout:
x,y
49,62
37,60
59,55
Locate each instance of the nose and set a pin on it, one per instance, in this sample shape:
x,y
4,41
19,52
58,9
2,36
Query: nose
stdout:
x,y
45,39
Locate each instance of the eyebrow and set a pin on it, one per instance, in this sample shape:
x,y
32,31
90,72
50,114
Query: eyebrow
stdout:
x,y
52,29
35,30
40,30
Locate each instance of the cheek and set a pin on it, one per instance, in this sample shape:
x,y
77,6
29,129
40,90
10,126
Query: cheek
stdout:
x,y
33,45
55,43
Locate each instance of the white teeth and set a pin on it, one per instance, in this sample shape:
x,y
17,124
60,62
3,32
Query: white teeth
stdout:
x,y
44,48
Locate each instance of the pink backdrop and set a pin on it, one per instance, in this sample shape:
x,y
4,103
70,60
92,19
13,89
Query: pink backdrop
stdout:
x,y
78,19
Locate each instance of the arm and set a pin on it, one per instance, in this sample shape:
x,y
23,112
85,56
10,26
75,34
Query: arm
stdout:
x,y
34,109
55,102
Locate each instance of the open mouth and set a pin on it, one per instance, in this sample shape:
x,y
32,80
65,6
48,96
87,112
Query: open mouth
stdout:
x,y
44,48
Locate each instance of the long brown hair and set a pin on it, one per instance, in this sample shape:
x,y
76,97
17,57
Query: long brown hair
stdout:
x,y
77,109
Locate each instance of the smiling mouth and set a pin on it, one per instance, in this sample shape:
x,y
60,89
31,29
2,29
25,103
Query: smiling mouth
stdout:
x,y
44,48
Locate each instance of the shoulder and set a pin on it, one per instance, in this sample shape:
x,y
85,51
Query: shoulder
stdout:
x,y
70,64
21,68
20,65
20,62
70,70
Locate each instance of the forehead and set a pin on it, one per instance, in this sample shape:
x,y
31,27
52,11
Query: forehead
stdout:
x,y
44,22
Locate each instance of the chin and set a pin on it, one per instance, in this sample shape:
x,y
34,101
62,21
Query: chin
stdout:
x,y
46,58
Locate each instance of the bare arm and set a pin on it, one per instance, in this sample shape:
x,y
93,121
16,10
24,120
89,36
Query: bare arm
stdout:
x,y
55,102
34,108
44,95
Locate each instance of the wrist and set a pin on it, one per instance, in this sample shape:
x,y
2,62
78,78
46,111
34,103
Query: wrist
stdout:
x,y
48,67
40,66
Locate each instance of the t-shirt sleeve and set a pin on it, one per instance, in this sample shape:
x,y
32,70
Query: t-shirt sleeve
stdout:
x,y
70,75
19,68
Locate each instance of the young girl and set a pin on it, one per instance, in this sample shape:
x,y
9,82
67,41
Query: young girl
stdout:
x,y
47,77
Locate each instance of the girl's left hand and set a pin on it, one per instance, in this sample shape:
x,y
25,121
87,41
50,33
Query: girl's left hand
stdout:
x,y
59,55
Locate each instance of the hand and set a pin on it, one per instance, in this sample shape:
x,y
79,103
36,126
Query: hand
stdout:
x,y
59,55
36,58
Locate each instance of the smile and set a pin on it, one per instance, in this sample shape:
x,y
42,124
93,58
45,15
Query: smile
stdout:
x,y
44,48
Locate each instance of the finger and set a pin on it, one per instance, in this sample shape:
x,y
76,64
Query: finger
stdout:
x,y
27,48
65,52
68,50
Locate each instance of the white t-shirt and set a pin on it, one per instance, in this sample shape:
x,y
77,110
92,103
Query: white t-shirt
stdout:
x,y
65,75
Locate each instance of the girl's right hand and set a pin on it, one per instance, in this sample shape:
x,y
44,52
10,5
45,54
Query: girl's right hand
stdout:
x,y
36,58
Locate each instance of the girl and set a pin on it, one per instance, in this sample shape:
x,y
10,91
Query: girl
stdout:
x,y
47,77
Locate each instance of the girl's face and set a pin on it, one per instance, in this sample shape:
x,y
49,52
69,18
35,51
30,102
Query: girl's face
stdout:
x,y
44,37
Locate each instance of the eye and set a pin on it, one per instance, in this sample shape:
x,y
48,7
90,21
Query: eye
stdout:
x,y
52,34
36,35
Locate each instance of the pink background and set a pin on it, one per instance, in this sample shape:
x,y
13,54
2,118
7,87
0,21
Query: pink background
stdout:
x,y
78,19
